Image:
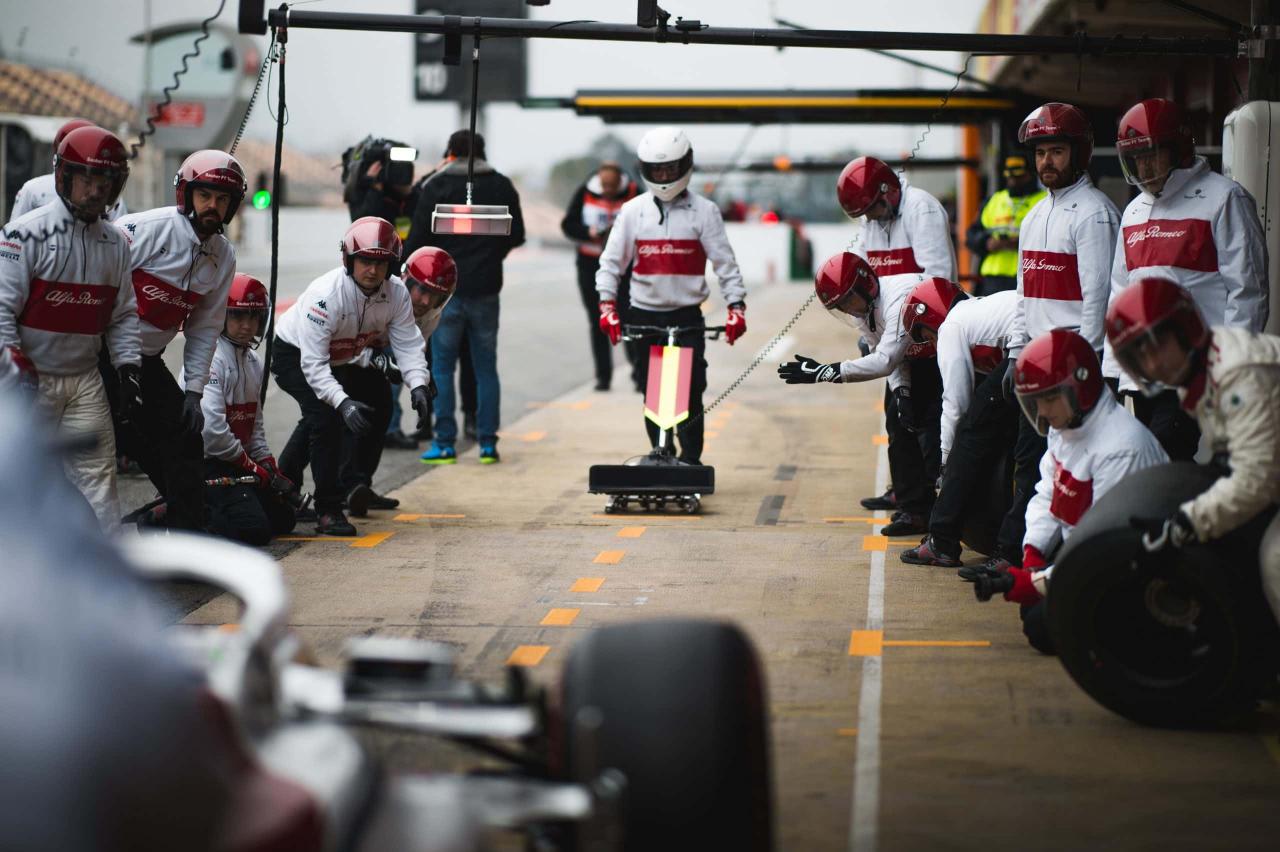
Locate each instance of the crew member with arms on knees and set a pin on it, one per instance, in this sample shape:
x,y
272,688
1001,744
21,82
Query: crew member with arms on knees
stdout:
x,y
64,284
1093,443
40,190
1230,379
905,233
235,439
851,292
670,233
1193,227
182,266
336,318
978,423
1066,245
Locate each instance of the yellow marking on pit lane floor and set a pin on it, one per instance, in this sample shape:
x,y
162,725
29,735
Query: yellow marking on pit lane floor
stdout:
x,y
609,557
409,516
587,584
838,520
528,655
870,643
581,405
880,440
875,542
527,437
880,406
559,617
846,732
911,542
230,627
631,532
865,643
711,433
370,540
629,518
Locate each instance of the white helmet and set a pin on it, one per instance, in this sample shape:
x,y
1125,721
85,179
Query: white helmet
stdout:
x,y
666,161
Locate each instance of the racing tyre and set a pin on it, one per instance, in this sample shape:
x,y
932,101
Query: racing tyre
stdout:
x,y
681,713
1180,638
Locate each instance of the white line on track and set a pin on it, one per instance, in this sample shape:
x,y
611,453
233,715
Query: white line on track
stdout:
x,y
864,823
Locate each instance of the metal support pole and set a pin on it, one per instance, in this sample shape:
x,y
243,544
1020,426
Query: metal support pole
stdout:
x,y
1264,58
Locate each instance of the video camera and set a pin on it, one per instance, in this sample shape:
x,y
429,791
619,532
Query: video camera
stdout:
x,y
396,158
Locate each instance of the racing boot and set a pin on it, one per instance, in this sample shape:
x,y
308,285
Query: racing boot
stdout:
x,y
905,523
990,566
380,502
884,501
927,553
334,523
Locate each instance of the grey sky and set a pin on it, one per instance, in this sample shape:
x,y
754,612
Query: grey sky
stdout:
x,y
342,85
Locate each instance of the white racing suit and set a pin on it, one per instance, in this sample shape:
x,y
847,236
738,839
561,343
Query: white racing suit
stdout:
x,y
40,190
58,297
881,328
972,340
233,422
1237,405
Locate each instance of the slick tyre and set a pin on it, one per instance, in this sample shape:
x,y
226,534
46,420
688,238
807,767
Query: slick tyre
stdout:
x,y
679,708
1180,638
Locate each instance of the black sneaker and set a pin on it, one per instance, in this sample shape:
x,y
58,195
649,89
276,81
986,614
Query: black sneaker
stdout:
x,y
359,500
469,426
884,501
990,566
927,553
398,440
334,523
905,523
602,386
380,502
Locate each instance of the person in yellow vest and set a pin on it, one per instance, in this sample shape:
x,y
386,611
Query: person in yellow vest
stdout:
x,y
994,237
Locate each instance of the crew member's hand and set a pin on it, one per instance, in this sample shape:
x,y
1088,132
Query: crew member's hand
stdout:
x,y
192,416
906,412
279,482
252,468
808,371
736,324
355,415
384,363
130,391
609,322
942,474
1174,531
420,397
28,378
1007,383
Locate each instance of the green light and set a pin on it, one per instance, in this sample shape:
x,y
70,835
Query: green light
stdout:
x,y
261,199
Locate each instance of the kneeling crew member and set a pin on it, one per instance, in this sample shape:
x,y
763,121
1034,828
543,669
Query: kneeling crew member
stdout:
x,y
1230,379
235,439
339,315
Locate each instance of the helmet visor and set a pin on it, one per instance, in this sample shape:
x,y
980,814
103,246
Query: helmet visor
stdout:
x,y
1156,359
427,298
669,171
851,310
234,323
1144,162
1056,406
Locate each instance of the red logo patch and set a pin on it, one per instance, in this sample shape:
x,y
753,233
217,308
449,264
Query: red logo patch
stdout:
x,y
1071,497
1050,275
68,308
347,348
1180,243
893,261
160,303
670,257
241,417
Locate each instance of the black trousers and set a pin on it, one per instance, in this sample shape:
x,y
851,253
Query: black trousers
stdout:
x,y
170,456
985,432
336,457
244,513
1177,431
689,433
914,458
1028,449
601,348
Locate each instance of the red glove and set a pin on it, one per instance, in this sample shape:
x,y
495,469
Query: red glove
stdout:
x,y
609,322
252,467
28,378
1024,591
279,481
1032,558
736,324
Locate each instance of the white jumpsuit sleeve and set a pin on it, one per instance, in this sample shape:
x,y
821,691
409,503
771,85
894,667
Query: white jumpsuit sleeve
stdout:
x,y
1043,529
203,326
955,362
219,441
1242,261
1018,326
1095,252
406,341
889,352
715,242
1119,280
124,336
314,335
619,251
931,240
16,262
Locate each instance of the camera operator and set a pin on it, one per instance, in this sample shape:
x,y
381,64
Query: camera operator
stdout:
x,y
378,181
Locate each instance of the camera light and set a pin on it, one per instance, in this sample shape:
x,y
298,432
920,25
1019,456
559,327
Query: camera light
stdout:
x,y
400,154
481,220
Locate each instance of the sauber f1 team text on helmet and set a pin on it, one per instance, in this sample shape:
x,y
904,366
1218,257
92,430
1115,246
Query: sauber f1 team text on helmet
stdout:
x,y
865,181
248,295
93,152
1058,363
1157,334
213,170
666,161
1149,128
1059,122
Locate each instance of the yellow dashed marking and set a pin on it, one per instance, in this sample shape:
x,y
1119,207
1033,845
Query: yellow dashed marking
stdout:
x,y
528,655
855,520
415,517
370,540
581,405
631,532
711,433
875,542
846,732
880,440
934,643
880,406
587,584
865,643
608,557
559,617
527,437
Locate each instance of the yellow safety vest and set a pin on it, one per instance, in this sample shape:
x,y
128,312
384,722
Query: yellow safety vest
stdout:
x,y
1003,217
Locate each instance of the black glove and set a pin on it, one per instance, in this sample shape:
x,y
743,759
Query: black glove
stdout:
x,y
1157,533
987,582
384,363
906,414
1007,383
355,415
420,398
807,371
192,416
130,392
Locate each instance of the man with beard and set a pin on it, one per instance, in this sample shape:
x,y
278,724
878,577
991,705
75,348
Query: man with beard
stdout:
x,y
182,267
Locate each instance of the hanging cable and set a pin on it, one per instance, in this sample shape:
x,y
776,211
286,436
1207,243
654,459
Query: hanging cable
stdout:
x,y
253,98
281,38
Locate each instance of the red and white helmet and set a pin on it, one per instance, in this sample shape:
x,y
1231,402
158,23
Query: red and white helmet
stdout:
x,y
1058,361
372,239
864,182
1060,122
73,124
928,305
432,271
213,170
666,161
844,275
248,295
1146,312
1148,126
91,151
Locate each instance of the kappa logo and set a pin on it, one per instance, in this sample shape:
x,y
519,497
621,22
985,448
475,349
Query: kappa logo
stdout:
x,y
1153,232
321,305
131,227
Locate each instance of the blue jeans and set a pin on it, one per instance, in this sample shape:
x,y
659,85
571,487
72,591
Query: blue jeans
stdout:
x,y
478,318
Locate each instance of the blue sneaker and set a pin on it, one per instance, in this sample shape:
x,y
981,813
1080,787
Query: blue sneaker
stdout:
x,y
489,454
439,454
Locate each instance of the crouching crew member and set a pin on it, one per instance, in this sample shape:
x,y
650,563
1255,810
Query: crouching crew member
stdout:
x,y
182,266
670,233
1093,443
235,440
64,283
1190,226
1230,379
978,423
336,318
